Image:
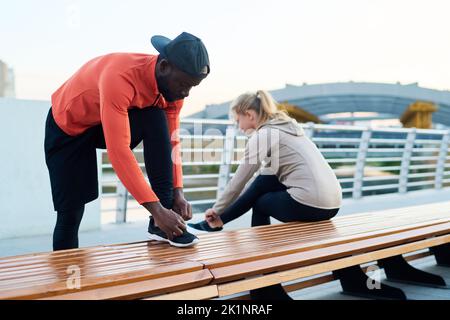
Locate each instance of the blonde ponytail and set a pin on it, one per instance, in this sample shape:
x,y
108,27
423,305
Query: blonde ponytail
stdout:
x,y
262,103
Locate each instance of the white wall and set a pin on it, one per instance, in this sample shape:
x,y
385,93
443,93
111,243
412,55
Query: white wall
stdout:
x,y
26,207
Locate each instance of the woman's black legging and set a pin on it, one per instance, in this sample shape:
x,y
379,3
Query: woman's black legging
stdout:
x,y
148,125
268,198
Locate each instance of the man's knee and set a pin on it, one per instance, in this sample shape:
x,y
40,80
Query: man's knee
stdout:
x,y
154,124
67,219
152,114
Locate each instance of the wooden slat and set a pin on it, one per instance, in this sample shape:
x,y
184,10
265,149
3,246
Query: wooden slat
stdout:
x,y
59,287
143,288
89,268
63,254
203,293
114,266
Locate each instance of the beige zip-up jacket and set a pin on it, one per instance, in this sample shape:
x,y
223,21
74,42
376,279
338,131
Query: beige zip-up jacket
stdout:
x,y
281,147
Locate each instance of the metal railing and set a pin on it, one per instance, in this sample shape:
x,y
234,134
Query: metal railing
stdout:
x,y
367,161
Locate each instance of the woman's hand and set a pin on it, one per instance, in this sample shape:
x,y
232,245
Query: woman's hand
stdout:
x,y
213,219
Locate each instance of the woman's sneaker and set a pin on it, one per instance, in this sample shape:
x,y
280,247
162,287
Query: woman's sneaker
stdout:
x,y
185,240
204,226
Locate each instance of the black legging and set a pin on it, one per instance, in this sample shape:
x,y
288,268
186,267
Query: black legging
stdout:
x,y
150,126
268,198
65,234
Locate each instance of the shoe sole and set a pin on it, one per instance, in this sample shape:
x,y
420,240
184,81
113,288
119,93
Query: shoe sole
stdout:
x,y
179,245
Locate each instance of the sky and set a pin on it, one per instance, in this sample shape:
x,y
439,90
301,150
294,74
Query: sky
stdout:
x,y
252,44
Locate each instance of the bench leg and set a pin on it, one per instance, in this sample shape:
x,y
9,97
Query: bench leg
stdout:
x,y
442,254
355,282
274,292
399,270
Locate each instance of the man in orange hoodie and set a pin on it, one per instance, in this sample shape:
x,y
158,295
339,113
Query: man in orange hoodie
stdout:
x,y
116,102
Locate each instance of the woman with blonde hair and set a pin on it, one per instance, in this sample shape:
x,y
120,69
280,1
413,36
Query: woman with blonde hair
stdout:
x,y
294,182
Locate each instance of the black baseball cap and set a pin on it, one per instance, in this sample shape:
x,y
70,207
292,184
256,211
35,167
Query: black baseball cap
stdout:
x,y
186,52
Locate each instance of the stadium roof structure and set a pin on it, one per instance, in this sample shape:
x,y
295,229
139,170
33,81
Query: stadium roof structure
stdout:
x,y
323,99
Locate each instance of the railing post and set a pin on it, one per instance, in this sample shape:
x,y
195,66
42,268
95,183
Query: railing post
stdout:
x,y
358,177
440,165
122,202
406,160
309,129
227,158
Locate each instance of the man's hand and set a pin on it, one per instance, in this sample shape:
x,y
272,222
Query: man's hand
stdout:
x,y
180,205
167,220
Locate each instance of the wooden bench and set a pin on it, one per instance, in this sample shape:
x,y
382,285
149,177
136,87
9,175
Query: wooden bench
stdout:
x,y
233,262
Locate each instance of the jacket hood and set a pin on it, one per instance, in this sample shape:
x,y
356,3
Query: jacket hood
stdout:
x,y
288,126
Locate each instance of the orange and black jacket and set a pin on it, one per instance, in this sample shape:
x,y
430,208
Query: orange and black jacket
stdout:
x,y
101,92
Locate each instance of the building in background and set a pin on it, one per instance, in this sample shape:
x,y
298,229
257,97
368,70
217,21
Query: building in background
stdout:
x,y
358,103
7,81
